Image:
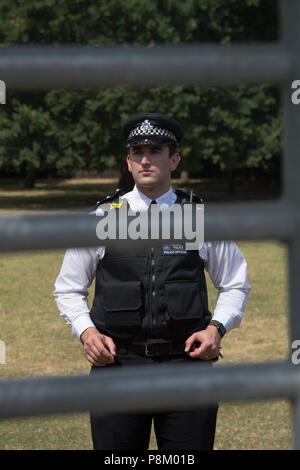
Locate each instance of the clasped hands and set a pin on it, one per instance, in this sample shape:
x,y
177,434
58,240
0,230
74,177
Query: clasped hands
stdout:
x,y
100,349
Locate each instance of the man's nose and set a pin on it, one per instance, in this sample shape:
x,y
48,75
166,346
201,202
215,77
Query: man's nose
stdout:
x,y
145,160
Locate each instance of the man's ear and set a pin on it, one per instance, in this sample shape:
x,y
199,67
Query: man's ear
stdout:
x,y
128,163
174,161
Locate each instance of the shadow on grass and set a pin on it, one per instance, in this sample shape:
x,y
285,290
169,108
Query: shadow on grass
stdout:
x,y
80,193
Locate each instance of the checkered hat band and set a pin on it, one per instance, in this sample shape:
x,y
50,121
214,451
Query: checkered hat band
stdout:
x,y
150,131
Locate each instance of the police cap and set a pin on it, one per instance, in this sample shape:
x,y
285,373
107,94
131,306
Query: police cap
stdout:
x,y
151,129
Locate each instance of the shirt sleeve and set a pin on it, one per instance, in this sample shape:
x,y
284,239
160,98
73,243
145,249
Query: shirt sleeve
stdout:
x,y
71,287
228,271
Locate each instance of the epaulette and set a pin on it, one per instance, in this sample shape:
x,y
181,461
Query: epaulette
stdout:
x,y
110,197
184,197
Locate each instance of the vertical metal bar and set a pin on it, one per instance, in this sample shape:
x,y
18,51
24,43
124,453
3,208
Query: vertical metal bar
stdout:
x,y
290,19
291,161
296,422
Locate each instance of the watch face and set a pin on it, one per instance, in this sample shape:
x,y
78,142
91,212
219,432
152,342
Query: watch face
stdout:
x,y
222,330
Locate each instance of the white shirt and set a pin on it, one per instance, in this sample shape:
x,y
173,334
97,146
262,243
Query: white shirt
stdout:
x,y
223,260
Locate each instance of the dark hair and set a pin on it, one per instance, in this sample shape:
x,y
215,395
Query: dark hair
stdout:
x,y
172,149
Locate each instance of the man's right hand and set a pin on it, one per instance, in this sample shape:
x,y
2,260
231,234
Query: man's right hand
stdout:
x,y
97,348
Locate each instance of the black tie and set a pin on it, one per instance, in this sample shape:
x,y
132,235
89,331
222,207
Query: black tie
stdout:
x,y
149,219
152,204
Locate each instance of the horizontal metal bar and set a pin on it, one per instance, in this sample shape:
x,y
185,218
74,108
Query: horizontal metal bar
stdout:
x,y
259,220
152,388
240,221
63,66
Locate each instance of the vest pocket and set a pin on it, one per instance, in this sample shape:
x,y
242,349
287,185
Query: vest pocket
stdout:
x,y
183,301
122,303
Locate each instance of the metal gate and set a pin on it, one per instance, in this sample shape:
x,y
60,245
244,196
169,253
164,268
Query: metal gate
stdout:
x,y
36,68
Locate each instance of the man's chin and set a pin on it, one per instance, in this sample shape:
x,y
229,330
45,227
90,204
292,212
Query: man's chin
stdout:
x,y
147,181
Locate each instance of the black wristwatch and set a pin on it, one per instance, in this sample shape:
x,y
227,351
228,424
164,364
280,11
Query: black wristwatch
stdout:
x,y
220,327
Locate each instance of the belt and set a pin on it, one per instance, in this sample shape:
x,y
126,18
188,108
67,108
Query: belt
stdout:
x,y
153,349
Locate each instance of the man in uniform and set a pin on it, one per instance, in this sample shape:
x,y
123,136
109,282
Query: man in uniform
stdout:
x,y
150,304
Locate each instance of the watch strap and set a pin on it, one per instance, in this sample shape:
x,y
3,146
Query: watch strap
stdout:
x,y
220,327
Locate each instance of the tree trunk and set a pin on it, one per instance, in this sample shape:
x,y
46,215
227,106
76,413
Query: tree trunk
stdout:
x,y
126,181
29,176
230,181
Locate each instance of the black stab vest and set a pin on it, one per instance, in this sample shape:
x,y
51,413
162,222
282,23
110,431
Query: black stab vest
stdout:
x,y
150,295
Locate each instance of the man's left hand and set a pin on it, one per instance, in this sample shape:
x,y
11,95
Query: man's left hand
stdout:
x,y
209,340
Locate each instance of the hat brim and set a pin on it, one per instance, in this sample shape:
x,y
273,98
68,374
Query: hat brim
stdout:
x,y
149,140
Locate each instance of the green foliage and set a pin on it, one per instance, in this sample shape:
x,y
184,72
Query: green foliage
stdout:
x,y
63,131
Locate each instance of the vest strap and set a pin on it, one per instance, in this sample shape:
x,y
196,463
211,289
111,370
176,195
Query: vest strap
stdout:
x,y
110,197
185,198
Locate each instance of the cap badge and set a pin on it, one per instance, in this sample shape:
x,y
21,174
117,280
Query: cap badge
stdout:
x,y
146,126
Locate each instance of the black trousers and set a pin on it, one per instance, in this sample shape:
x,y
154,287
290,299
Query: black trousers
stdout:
x,y
175,430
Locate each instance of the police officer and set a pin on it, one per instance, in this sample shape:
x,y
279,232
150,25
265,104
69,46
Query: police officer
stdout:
x,y
150,304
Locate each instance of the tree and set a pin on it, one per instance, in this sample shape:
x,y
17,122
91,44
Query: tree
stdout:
x,y
68,130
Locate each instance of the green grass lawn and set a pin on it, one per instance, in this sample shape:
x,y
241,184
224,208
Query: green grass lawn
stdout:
x,y
38,342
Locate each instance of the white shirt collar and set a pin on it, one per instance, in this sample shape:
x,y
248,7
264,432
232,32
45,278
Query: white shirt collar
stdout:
x,y
141,202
